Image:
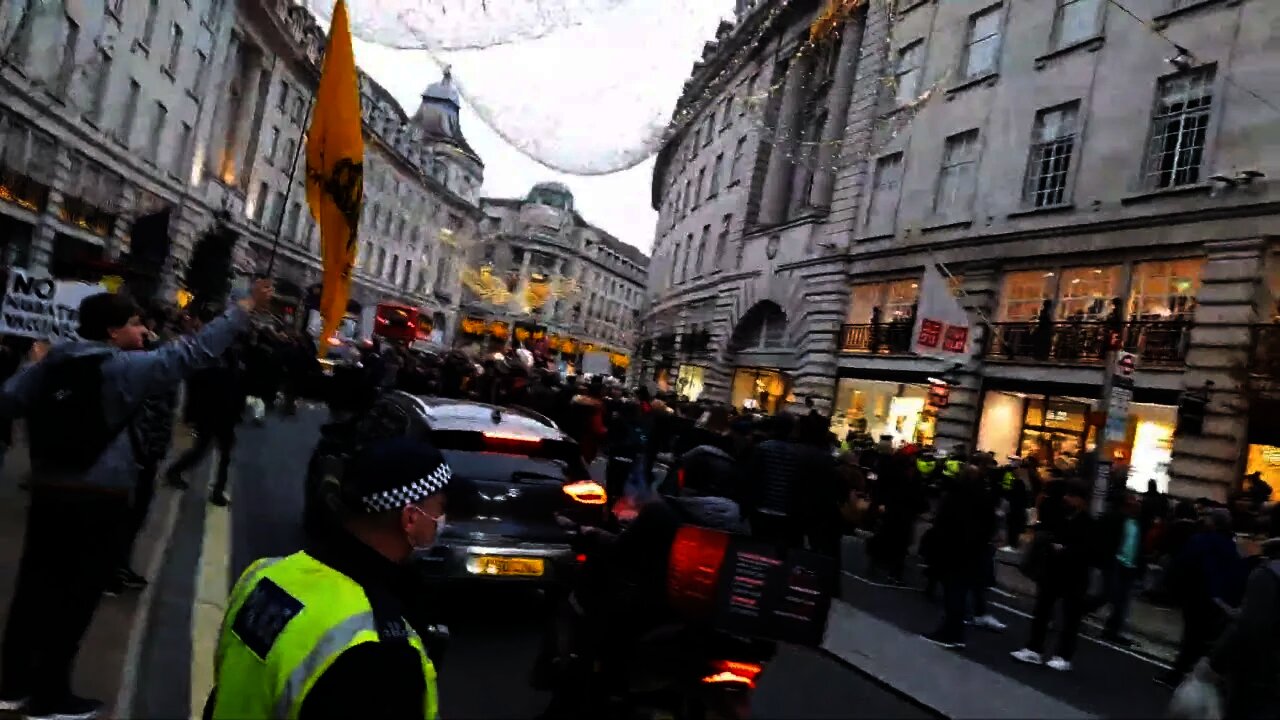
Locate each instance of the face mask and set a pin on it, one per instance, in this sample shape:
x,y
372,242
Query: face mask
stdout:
x,y
425,550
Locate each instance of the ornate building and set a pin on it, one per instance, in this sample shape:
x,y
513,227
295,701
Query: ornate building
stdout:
x,y
112,110
1083,179
543,270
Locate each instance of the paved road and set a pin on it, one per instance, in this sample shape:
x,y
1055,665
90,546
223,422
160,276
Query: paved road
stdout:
x,y
495,635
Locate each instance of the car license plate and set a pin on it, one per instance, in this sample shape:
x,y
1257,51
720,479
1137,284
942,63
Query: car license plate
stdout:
x,y
509,566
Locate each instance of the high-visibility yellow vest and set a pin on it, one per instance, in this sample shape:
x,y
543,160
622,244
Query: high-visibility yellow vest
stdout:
x,y
298,616
1008,479
951,468
926,467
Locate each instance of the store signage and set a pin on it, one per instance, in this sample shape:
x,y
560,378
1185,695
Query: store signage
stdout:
x,y
942,325
38,306
939,395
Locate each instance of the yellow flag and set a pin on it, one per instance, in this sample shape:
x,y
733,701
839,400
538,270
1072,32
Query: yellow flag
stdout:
x,y
335,170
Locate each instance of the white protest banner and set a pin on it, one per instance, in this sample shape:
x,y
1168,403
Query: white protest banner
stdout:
x,y
942,325
596,363
38,306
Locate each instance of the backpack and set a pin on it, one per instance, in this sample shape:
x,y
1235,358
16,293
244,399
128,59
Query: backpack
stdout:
x,y
67,424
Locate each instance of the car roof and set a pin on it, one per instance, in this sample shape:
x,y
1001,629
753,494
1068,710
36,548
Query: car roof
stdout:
x,y
467,415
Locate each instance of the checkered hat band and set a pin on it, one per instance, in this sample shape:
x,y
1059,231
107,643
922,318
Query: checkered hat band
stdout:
x,y
415,491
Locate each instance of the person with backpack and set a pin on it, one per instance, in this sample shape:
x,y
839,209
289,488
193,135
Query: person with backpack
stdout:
x,y
79,403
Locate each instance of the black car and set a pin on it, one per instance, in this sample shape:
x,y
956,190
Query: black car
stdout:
x,y
514,471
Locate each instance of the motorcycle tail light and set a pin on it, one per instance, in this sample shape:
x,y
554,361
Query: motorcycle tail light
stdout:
x,y
733,672
586,492
680,478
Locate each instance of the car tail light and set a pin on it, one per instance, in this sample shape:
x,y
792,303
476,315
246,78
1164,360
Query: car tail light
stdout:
x,y
733,672
511,442
680,478
586,492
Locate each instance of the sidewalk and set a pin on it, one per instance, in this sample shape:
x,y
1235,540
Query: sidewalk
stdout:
x,y
108,654
1155,630
877,629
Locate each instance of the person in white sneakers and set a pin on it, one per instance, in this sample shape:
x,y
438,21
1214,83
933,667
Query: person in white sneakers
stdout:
x,y
1064,577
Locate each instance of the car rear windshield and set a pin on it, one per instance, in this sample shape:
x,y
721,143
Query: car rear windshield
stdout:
x,y
505,468
562,453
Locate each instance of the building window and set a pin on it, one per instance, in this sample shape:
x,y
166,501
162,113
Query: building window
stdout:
x,y
125,131
702,181
709,130
702,249
1179,128
1025,293
282,101
959,163
689,200
291,222
1087,293
68,64
175,49
715,175
393,268
728,112
1053,143
1076,20
908,71
982,56
884,302
684,259
277,210
290,152
884,193
260,208
157,132
273,145
722,243
1164,289
182,151
736,165
149,27
101,86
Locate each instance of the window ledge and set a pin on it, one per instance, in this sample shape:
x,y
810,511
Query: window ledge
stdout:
x,y
139,45
192,94
1162,20
988,80
909,6
877,236
168,72
1092,44
1043,210
733,183
946,224
1179,191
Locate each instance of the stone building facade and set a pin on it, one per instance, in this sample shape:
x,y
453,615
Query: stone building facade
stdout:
x,y
200,107
592,284
1080,180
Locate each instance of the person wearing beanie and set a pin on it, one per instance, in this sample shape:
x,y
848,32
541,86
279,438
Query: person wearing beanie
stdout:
x,y
80,401
312,634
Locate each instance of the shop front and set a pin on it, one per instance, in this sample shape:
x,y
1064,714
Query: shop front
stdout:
x,y
760,389
1263,456
689,382
876,409
1058,431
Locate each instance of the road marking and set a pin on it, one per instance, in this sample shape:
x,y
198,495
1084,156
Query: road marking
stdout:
x,y
142,613
210,599
1020,613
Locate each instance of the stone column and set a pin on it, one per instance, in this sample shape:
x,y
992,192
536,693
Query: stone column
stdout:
x,y
549,308
958,422
242,136
522,285
837,111
217,99
777,182
1209,464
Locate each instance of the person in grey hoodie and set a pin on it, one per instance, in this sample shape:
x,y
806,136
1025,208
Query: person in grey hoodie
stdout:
x,y
70,550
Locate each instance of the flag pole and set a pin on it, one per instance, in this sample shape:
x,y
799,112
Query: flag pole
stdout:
x,y
293,174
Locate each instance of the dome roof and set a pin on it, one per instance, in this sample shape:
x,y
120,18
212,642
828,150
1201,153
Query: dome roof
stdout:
x,y
442,91
553,186
551,194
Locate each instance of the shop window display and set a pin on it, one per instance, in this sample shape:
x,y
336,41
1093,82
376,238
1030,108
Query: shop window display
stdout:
x,y
762,390
1086,294
871,409
1024,294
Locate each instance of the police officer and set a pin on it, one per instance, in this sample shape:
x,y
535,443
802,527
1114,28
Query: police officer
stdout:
x,y
322,633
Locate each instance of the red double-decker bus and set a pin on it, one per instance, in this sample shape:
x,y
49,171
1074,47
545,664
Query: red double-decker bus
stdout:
x,y
401,323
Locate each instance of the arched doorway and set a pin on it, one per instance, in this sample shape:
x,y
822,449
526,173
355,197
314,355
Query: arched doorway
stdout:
x,y
761,359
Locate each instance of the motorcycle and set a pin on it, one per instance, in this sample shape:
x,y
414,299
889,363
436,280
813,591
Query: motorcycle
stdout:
x,y
619,648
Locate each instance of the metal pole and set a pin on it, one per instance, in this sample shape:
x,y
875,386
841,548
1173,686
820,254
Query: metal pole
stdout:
x,y
293,173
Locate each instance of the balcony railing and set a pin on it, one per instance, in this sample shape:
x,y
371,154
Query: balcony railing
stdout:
x,y
1156,343
879,339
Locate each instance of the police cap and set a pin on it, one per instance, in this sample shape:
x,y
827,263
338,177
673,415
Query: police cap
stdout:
x,y
388,474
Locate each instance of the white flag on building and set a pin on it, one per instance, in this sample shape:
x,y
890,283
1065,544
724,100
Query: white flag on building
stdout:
x,y
942,328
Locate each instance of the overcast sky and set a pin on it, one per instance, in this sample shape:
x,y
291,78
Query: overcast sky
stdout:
x,y
586,98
